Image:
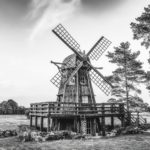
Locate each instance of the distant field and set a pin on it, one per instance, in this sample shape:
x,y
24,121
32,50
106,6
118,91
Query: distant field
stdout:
x,y
12,121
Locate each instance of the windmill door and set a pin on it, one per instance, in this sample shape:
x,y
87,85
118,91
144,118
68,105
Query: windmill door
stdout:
x,y
88,126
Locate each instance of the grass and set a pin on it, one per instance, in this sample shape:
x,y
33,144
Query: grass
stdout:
x,y
128,142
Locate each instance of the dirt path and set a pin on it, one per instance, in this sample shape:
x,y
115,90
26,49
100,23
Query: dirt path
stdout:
x,y
131,142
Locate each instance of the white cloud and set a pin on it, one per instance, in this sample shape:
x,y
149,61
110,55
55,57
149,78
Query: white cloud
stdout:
x,y
51,13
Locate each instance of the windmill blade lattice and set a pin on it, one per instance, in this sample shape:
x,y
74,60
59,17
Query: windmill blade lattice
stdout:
x,y
63,34
99,81
99,48
56,79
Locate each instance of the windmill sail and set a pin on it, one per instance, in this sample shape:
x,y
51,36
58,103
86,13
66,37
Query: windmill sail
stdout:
x,y
99,48
100,82
56,79
64,35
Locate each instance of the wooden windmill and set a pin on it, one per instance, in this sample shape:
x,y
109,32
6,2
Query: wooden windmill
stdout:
x,y
76,71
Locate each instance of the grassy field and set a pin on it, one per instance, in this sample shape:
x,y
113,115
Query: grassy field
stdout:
x,y
128,142
12,121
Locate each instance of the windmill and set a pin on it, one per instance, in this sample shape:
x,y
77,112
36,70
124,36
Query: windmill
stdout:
x,y
76,71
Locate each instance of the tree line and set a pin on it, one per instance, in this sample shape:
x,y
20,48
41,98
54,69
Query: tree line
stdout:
x,y
11,107
129,73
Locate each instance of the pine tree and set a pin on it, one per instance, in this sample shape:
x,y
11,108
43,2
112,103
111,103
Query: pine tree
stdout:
x,y
127,75
141,30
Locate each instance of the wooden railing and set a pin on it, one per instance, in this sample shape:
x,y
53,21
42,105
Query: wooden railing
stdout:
x,y
54,108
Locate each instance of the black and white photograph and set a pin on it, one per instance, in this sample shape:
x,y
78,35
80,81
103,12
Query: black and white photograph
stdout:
x,y
74,75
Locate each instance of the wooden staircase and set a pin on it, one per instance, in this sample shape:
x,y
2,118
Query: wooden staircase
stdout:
x,y
130,119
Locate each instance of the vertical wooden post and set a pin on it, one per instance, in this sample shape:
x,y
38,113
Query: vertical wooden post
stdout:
x,y
122,114
48,118
112,118
35,122
31,111
75,124
112,122
103,120
31,121
98,125
41,124
94,126
122,121
78,125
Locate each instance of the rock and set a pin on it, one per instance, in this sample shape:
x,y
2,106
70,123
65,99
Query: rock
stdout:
x,y
38,138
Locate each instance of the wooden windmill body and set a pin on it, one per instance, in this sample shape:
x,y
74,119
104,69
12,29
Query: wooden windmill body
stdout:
x,y
79,88
76,73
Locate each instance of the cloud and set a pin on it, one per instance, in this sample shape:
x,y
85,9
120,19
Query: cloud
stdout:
x,y
49,13
99,5
12,11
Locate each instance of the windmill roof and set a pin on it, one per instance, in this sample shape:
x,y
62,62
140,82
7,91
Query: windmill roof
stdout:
x,y
69,61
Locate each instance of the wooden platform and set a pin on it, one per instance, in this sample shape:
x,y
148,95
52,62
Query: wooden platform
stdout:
x,y
56,116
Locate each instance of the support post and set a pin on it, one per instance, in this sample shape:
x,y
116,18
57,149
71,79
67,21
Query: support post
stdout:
x,y
35,122
122,121
75,124
30,121
48,118
94,126
112,122
41,124
48,123
122,113
103,120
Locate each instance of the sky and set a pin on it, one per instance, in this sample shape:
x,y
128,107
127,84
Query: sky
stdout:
x,y
27,44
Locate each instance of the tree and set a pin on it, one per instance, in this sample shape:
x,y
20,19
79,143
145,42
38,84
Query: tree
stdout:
x,y
128,73
141,29
12,105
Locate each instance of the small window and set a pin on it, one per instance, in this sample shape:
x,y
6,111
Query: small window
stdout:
x,y
72,81
84,99
82,80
